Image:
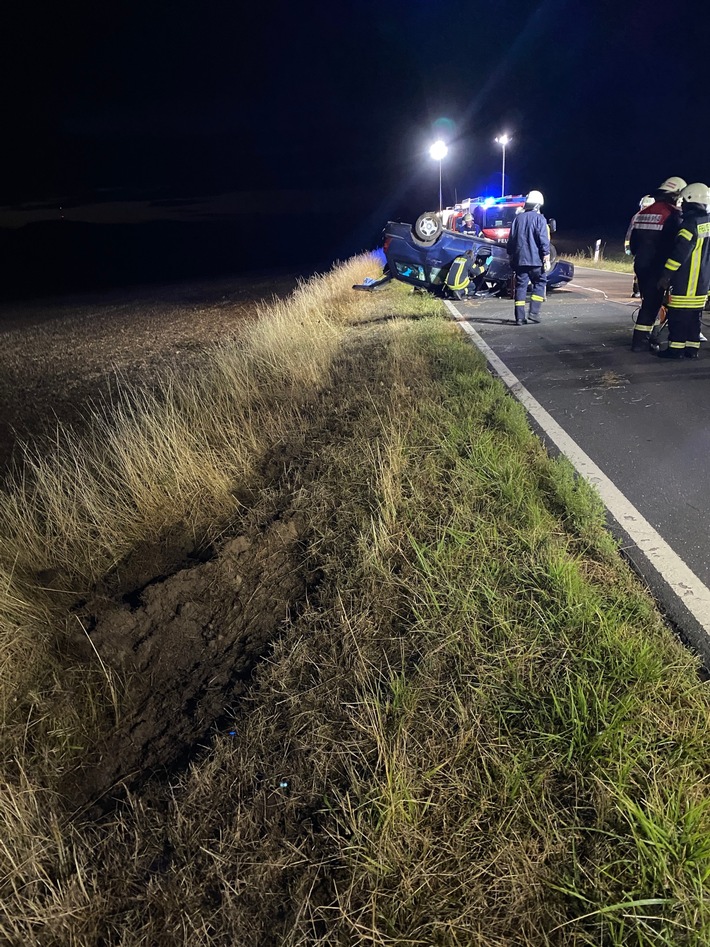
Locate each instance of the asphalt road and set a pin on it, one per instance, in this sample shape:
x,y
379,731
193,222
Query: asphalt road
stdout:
x,y
641,419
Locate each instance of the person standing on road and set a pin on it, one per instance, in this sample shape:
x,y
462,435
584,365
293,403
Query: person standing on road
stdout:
x,y
652,233
461,272
529,252
645,202
687,274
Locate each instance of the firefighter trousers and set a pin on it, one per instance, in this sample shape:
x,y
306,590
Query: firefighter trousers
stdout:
x,y
684,329
651,299
536,277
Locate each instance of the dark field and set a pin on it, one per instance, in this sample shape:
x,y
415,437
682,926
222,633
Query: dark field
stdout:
x,y
58,354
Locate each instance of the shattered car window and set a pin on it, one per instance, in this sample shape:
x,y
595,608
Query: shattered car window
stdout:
x,y
411,271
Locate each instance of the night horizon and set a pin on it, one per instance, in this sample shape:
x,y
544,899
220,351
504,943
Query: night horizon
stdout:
x,y
139,113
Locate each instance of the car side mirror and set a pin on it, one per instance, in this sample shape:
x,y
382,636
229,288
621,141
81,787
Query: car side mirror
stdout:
x,y
552,223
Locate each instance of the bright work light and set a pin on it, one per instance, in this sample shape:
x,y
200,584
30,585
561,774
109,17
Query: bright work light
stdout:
x,y
503,140
438,151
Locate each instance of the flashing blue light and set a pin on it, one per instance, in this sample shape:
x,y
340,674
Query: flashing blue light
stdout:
x,y
489,202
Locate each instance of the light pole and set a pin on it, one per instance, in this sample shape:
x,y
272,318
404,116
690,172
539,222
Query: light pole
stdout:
x,y
438,151
503,140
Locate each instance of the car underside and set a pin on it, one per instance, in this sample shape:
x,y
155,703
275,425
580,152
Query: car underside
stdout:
x,y
425,262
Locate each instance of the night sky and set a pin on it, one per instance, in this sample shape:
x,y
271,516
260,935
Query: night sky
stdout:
x,y
314,104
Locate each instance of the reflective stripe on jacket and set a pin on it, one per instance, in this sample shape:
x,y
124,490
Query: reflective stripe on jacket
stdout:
x,y
689,261
458,275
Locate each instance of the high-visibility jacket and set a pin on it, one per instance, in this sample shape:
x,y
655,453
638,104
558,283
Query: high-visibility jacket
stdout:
x,y
461,271
651,235
529,240
689,261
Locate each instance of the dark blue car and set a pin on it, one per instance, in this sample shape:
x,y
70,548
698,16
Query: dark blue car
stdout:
x,y
424,260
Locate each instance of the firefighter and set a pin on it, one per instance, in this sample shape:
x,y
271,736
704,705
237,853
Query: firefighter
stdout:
x,y
687,274
645,202
467,225
529,252
652,233
461,272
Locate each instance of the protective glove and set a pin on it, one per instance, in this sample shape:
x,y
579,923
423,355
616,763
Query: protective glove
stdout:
x,y
665,281
627,249
546,264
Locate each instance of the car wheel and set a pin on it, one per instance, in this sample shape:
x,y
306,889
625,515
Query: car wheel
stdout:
x,y
553,254
427,229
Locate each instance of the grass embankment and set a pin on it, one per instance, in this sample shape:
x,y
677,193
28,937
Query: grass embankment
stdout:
x,y
476,730
616,262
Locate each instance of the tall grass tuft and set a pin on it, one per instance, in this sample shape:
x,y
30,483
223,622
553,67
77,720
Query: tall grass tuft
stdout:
x,y
153,463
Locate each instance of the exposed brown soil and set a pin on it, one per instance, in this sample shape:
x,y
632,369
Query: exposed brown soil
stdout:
x,y
185,645
182,627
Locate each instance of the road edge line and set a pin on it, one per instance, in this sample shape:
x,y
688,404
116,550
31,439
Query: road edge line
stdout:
x,y
682,581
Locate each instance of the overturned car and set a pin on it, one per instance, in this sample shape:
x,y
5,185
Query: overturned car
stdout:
x,y
421,256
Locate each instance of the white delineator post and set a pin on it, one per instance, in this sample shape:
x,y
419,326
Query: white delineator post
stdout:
x,y
597,250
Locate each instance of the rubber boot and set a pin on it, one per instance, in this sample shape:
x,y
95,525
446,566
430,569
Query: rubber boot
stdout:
x,y
639,341
672,353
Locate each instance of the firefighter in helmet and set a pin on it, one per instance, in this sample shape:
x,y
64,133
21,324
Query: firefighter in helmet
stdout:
x,y
652,233
462,272
687,274
529,252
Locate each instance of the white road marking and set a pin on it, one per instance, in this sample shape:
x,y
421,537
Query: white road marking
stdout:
x,y
588,289
694,594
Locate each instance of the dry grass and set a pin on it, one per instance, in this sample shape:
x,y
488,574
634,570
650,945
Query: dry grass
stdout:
x,y
477,730
615,262
174,458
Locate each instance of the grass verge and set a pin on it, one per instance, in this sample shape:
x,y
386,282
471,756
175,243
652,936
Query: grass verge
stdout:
x,y
616,262
475,730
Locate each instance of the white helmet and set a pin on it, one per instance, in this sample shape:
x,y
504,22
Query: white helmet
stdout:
x,y
672,185
696,194
646,201
535,197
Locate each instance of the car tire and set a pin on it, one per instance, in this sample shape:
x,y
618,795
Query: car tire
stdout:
x,y
427,229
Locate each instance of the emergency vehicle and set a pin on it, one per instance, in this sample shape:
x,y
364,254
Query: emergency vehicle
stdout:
x,y
493,216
